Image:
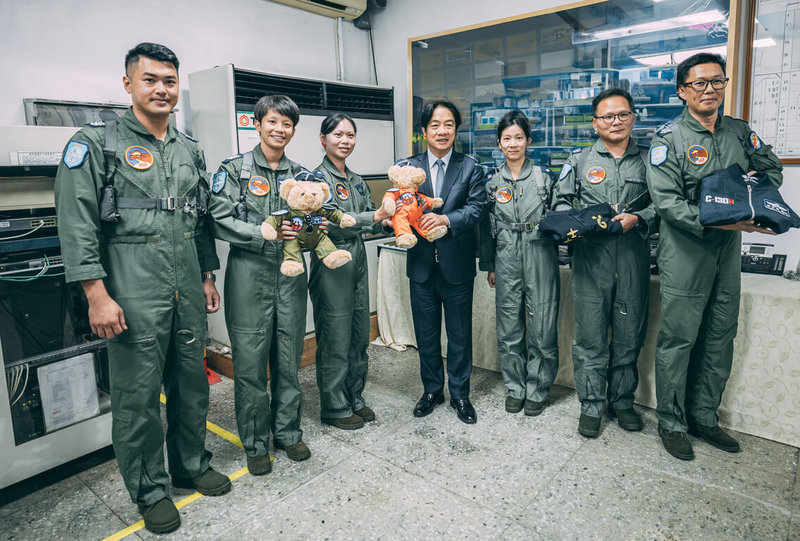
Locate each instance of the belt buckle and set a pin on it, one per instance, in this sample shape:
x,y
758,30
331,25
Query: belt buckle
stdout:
x,y
169,203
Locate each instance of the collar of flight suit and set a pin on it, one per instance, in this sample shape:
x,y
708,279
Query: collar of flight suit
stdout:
x,y
131,122
631,149
258,157
524,173
686,119
328,165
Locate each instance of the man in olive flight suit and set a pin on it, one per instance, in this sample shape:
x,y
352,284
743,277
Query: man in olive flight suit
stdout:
x,y
265,311
699,266
128,222
610,275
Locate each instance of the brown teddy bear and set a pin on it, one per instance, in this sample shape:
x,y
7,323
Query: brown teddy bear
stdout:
x,y
305,214
406,205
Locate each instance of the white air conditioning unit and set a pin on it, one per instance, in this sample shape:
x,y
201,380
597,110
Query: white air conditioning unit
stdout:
x,y
348,9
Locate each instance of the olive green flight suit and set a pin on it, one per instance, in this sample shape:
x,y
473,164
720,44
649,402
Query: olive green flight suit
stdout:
x,y
610,275
265,311
149,263
527,281
341,300
699,267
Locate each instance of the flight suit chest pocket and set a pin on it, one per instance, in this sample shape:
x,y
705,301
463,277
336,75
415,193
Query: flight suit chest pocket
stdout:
x,y
633,192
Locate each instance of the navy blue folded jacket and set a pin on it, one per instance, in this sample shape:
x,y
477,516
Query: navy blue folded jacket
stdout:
x,y
564,226
728,196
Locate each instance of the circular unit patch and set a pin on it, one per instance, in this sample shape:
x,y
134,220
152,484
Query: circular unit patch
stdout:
x,y
297,223
258,186
139,157
595,175
407,198
697,154
503,194
341,191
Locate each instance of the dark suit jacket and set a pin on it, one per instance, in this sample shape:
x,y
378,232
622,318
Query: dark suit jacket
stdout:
x,y
464,196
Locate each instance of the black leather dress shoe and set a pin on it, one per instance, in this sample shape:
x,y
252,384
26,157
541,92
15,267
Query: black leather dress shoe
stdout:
x,y
464,410
426,404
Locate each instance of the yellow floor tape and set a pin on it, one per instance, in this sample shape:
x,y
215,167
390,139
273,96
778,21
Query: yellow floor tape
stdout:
x,y
219,431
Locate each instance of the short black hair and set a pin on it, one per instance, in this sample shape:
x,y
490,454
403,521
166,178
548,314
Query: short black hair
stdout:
x,y
151,50
682,71
279,103
330,122
430,106
610,93
514,118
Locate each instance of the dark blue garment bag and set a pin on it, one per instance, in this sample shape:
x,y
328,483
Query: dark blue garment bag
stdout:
x,y
729,195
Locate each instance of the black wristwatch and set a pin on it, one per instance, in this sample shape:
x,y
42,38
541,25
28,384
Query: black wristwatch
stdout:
x,y
210,275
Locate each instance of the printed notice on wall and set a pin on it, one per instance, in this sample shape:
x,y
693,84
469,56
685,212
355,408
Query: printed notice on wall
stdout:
x,y
69,391
775,95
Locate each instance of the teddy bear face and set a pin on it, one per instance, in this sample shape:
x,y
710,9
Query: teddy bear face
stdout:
x,y
406,176
303,195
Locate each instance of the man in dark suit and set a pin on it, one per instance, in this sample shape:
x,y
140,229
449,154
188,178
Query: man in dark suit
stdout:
x,y
442,272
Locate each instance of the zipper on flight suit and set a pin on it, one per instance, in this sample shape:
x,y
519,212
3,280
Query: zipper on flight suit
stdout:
x,y
161,145
274,200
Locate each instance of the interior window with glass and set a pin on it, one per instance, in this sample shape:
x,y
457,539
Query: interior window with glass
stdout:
x,y
550,66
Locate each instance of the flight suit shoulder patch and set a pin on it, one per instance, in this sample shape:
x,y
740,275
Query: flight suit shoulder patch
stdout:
x,y
392,190
658,154
754,140
190,138
96,124
218,181
328,207
75,154
565,169
281,212
576,150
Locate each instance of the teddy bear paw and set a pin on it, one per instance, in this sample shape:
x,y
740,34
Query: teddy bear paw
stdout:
x,y
437,202
336,259
436,233
347,221
406,240
389,207
291,268
268,232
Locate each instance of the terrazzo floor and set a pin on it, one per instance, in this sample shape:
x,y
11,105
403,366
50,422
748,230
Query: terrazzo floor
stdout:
x,y
506,477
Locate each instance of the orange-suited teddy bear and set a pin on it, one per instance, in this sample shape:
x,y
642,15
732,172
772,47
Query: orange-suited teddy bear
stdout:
x,y
406,205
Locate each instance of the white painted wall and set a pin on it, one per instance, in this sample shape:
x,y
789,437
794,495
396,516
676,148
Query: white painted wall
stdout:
x,y
75,50
404,19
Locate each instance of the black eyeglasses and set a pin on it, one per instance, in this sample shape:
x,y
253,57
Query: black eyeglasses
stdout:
x,y
700,85
623,117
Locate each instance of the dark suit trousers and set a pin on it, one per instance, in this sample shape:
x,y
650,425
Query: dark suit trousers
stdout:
x,y
427,299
